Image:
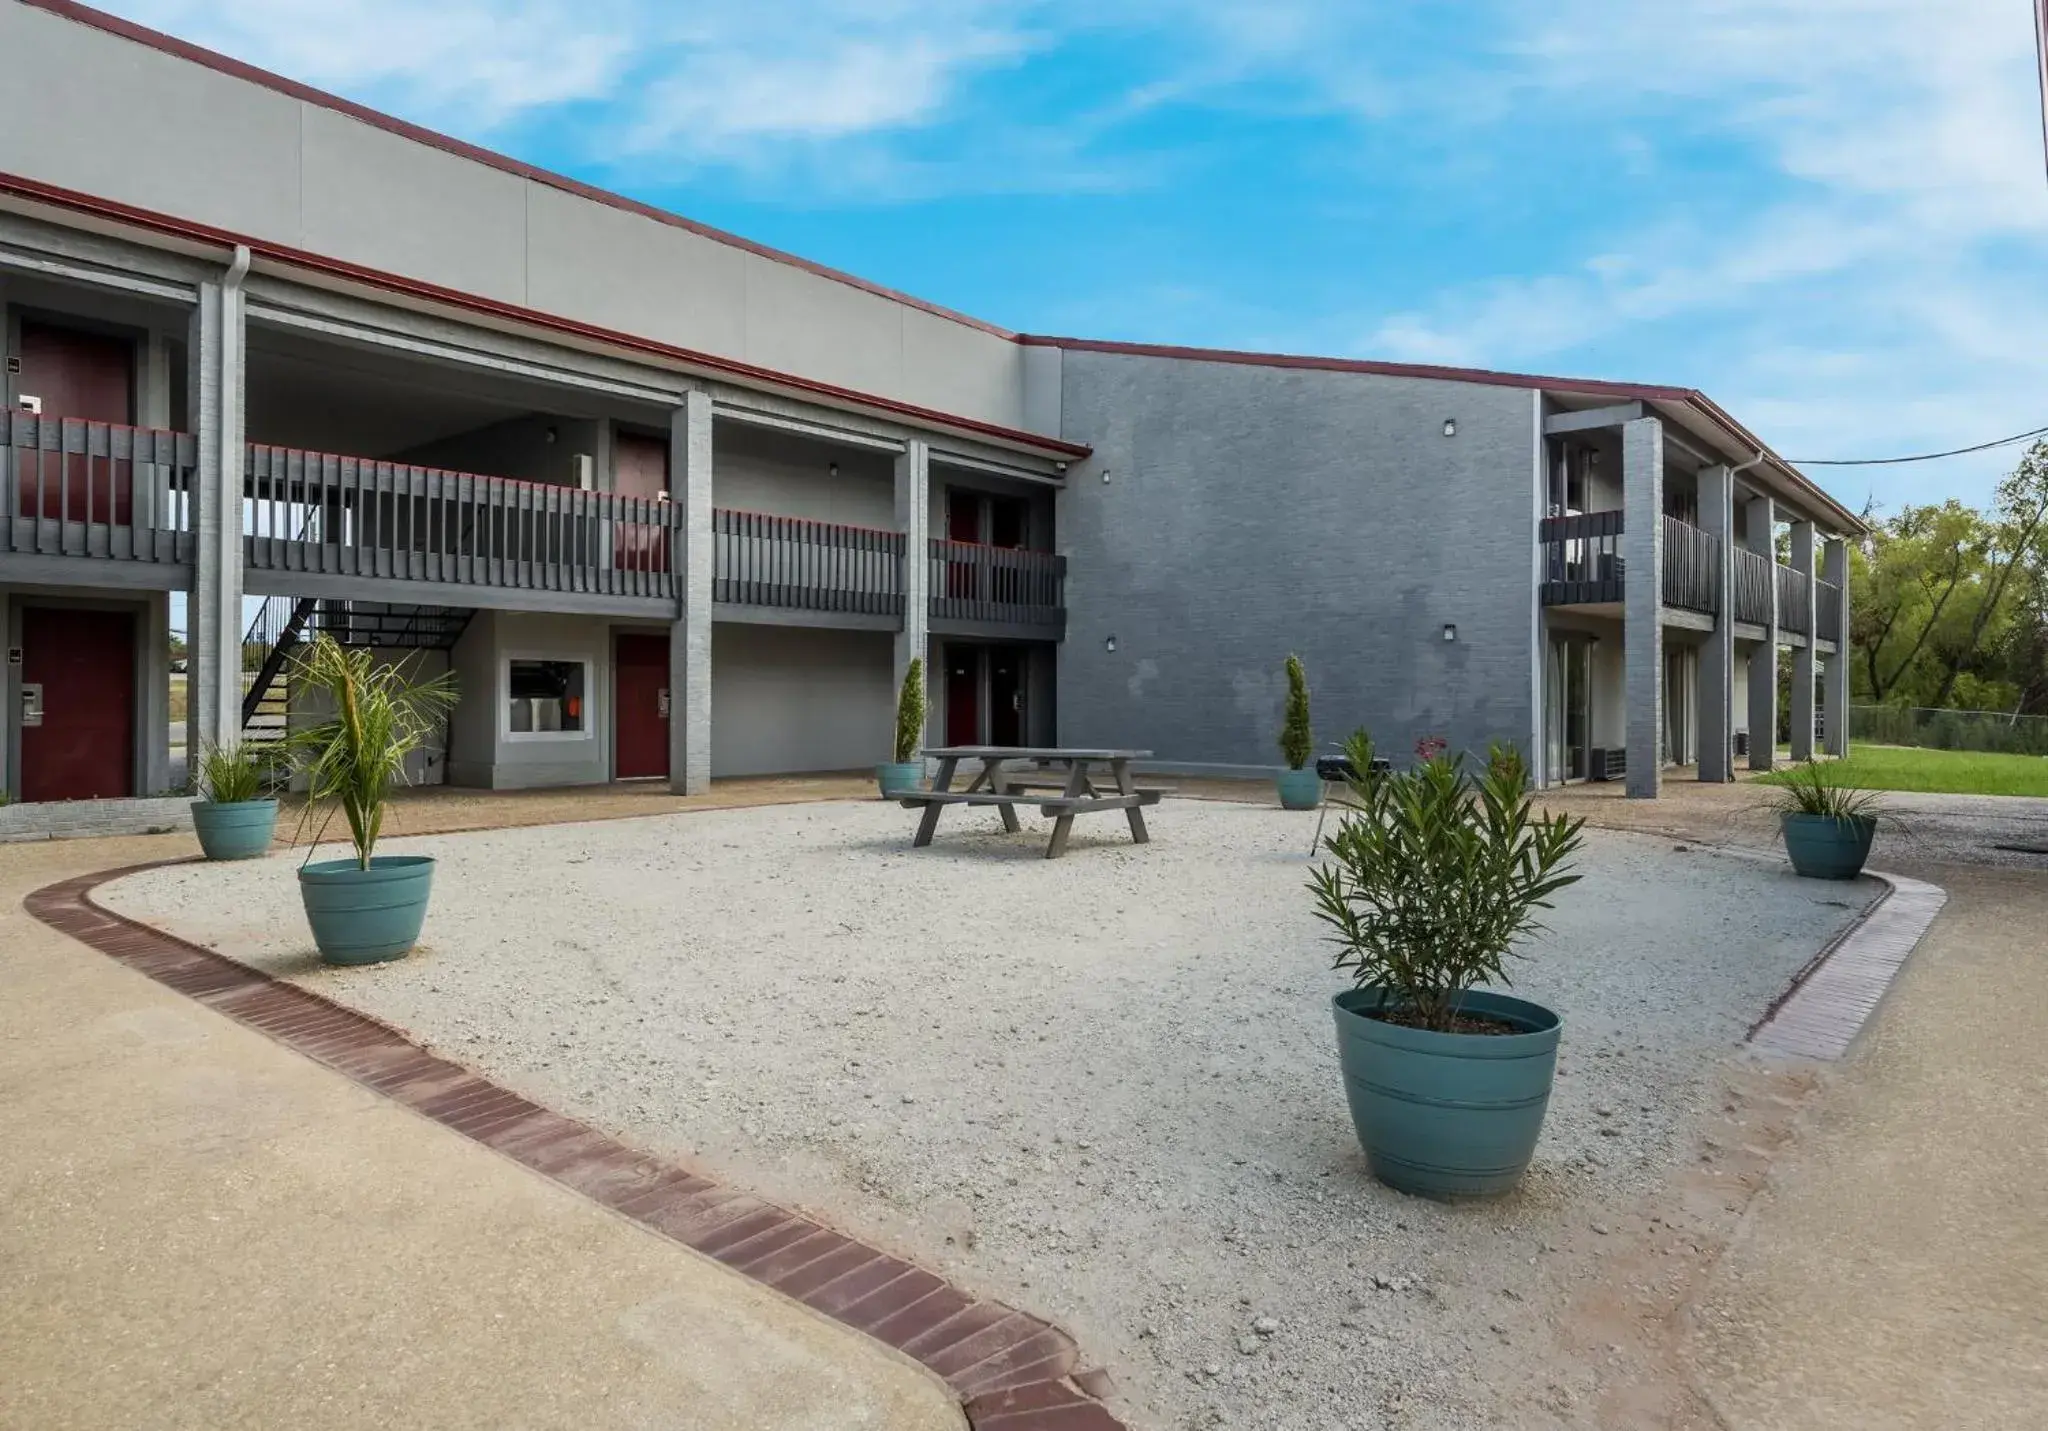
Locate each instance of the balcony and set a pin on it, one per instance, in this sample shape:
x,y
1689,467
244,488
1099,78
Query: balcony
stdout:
x,y
1828,615
1754,591
1792,601
997,591
1692,567
1582,562
95,490
793,564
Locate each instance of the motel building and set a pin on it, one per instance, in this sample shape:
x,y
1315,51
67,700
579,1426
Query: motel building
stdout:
x,y
674,506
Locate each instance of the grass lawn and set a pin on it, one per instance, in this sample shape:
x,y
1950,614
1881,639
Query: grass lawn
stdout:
x,y
1960,772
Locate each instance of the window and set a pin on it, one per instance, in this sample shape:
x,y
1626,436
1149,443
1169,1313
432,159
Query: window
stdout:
x,y
546,697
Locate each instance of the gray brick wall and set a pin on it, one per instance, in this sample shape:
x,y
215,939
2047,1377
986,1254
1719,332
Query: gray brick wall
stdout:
x,y
73,819
1250,511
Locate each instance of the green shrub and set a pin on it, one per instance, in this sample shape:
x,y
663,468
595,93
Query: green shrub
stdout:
x,y
1434,877
231,774
910,713
1813,789
1297,740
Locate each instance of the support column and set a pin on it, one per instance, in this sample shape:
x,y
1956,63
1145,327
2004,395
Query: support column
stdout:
x,y
913,519
213,613
1803,656
1835,682
1762,518
696,556
1717,656
1642,547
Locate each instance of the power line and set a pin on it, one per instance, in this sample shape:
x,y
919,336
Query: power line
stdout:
x,y
1921,457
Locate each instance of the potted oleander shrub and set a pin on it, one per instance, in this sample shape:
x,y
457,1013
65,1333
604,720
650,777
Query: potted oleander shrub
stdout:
x,y
369,907
1300,788
235,814
1827,824
1431,880
902,775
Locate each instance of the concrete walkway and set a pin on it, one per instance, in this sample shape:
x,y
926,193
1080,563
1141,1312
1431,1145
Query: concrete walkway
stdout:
x,y
199,1228
1893,1273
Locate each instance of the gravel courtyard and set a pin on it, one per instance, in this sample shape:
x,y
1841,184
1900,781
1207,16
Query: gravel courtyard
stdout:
x,y
1104,1087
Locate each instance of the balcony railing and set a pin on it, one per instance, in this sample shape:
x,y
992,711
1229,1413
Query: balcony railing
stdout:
x,y
350,516
1753,591
1692,567
1792,606
1828,616
1582,558
813,566
998,585
94,489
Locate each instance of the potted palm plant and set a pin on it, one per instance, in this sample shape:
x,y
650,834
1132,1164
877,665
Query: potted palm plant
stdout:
x,y
1300,788
1429,883
901,775
1827,825
370,907
234,817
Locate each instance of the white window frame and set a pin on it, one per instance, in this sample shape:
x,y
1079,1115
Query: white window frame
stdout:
x,y
568,658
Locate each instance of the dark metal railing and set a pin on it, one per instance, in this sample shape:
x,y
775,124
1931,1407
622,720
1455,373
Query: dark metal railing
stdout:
x,y
1792,603
1692,567
95,489
1828,610
764,560
1582,558
972,582
1753,589
395,521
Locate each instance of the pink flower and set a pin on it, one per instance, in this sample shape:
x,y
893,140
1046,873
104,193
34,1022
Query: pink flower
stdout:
x,y
1430,747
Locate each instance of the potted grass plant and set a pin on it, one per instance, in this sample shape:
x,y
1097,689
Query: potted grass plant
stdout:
x,y
1428,884
370,907
901,775
235,814
1300,788
1827,824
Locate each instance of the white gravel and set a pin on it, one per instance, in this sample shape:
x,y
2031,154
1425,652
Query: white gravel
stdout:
x,y
1104,1087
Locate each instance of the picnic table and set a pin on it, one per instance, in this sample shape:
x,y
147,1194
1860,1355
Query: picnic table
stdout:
x,y
1075,782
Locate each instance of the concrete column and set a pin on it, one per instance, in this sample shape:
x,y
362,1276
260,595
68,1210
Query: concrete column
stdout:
x,y
1803,656
1717,656
1642,548
213,615
1835,682
913,519
1762,517
696,554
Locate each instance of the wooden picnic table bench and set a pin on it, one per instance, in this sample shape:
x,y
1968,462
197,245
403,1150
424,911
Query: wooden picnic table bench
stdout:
x,y
1070,772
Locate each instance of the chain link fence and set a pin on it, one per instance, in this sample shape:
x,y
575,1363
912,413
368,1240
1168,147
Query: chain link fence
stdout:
x,y
1998,731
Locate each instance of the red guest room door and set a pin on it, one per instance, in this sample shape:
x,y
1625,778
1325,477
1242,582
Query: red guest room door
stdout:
x,y
641,700
83,747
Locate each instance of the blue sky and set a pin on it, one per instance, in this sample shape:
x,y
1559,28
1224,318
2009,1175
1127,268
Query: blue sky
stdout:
x,y
1832,215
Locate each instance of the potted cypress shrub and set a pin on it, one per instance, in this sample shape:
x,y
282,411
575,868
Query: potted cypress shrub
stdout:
x,y
370,907
1300,789
1429,883
901,775
233,817
1827,825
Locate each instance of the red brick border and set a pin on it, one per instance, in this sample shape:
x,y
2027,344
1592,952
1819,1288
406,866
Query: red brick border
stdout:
x,y
1011,1370
1834,996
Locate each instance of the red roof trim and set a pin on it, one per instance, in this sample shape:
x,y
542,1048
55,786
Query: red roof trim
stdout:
x,y
37,191
185,50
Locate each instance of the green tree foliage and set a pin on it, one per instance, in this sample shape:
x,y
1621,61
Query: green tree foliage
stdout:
x,y
1297,740
1949,605
910,713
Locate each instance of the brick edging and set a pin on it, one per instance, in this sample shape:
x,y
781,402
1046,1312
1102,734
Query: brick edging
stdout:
x,y
1832,998
1011,1370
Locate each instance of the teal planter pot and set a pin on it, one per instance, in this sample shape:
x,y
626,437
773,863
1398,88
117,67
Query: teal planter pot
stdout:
x,y
897,779
238,830
1827,847
365,916
1299,789
1448,1115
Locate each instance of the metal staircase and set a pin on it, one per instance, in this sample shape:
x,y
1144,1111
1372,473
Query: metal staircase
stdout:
x,y
284,623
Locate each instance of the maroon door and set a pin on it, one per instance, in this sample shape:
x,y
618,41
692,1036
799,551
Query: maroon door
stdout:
x,y
963,524
639,469
87,376
963,695
640,699
85,663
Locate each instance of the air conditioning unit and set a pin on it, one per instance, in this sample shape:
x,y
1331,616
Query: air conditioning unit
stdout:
x,y
1742,743
1608,764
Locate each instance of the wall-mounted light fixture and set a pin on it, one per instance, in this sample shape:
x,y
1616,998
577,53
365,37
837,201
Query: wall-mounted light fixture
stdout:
x,y
1109,644
1450,427
551,435
831,469
1450,631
